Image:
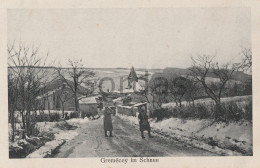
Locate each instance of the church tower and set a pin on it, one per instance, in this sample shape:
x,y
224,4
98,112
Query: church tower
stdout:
x,y
132,77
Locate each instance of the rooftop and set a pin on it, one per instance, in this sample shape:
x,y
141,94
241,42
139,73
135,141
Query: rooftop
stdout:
x,y
88,100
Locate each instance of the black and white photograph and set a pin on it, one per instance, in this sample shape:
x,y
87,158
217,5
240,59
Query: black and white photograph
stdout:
x,y
114,83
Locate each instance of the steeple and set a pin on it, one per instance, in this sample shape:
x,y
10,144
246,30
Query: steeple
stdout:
x,y
132,77
132,74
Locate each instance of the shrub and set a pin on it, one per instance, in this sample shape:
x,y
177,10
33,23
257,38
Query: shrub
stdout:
x,y
203,112
232,112
226,111
40,118
176,112
219,112
85,114
66,116
33,130
46,117
74,114
54,117
186,112
248,111
160,114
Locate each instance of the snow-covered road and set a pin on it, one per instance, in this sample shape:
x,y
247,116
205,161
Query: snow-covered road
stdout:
x,y
127,142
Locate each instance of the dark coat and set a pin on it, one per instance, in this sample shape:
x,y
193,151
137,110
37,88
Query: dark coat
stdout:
x,y
143,123
108,120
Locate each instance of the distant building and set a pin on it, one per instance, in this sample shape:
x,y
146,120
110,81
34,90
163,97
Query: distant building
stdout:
x,y
134,85
132,78
88,106
56,92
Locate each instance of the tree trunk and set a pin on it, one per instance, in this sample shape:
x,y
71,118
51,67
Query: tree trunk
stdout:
x,y
153,103
9,116
13,125
217,102
27,117
49,108
75,91
23,120
62,110
219,113
76,101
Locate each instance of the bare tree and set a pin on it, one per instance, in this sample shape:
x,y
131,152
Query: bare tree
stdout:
x,y
75,76
246,60
24,64
12,102
203,66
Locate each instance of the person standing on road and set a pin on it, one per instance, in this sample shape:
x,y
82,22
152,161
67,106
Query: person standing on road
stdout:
x,y
144,124
108,121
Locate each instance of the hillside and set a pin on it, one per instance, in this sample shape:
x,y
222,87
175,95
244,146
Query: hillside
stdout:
x,y
117,74
239,76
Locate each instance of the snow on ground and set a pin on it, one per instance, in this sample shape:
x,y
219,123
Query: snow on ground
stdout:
x,y
77,121
55,133
47,149
66,135
131,119
236,136
61,136
47,127
221,138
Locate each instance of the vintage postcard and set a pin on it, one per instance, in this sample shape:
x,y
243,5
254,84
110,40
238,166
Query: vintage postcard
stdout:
x,y
168,86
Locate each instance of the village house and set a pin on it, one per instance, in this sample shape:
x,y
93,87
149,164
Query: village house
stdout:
x,y
58,95
88,106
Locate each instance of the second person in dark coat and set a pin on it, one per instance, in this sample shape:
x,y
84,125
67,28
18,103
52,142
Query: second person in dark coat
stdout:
x,y
144,124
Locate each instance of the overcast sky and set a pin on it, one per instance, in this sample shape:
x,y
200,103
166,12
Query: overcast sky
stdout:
x,y
145,38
